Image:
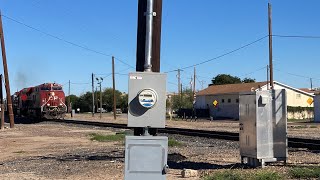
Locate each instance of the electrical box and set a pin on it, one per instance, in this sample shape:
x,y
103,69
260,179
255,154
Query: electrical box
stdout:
x,y
146,157
263,127
147,100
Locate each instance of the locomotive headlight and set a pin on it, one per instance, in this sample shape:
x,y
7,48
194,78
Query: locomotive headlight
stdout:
x,y
48,104
60,104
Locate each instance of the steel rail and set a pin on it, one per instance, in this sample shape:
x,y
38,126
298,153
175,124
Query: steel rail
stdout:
x,y
293,142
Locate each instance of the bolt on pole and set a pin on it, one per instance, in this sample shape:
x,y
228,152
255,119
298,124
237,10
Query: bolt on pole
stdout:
x,y
6,75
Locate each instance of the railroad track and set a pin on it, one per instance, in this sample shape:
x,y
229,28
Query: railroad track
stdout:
x,y
312,144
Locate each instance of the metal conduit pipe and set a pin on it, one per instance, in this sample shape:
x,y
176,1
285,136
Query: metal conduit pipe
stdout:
x,y
148,44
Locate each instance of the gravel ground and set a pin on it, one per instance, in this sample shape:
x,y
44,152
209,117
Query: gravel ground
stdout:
x,y
303,130
59,151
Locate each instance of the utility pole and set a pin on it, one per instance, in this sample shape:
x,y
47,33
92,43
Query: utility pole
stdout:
x,y
96,99
156,35
179,81
268,83
194,81
92,82
6,75
270,44
114,91
311,83
1,103
142,45
99,82
69,101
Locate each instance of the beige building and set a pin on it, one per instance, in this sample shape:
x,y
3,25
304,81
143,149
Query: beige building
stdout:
x,y
227,97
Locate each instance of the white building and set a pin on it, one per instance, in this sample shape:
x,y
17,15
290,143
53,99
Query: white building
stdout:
x,y
227,97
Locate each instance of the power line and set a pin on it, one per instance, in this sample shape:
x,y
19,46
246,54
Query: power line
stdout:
x,y
264,67
222,55
297,75
297,36
65,41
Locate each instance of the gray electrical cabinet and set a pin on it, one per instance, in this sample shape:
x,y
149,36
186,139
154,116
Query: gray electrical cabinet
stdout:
x,y
147,100
146,157
263,127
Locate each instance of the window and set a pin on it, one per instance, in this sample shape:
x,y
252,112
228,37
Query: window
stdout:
x,y
222,100
229,100
56,88
237,100
298,96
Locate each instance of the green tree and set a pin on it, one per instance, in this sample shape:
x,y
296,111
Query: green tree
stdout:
x,y
73,99
248,80
183,101
225,79
84,102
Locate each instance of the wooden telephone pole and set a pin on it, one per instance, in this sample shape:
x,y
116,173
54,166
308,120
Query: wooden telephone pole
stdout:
x,y
6,75
141,43
114,91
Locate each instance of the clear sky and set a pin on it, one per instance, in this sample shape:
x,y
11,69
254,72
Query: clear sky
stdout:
x,y
192,31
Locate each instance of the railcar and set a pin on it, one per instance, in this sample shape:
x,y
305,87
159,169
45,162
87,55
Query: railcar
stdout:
x,y
43,101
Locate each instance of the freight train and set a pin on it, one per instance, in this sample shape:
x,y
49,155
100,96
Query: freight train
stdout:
x,y
45,101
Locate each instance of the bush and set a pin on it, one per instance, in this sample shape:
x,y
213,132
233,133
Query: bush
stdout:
x,y
305,172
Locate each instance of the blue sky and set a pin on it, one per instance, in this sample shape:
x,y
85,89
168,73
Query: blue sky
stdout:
x,y
192,31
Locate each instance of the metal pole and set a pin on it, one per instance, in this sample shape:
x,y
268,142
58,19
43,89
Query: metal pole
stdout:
x,y
69,101
179,84
96,99
114,91
268,83
270,44
311,83
92,82
100,101
1,103
6,75
148,44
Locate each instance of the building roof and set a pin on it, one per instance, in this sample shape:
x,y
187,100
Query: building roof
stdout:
x,y
245,87
310,91
231,88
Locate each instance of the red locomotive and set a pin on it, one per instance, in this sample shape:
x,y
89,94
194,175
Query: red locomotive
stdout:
x,y
43,101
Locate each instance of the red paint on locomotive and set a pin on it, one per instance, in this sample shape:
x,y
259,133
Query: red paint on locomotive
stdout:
x,y
43,101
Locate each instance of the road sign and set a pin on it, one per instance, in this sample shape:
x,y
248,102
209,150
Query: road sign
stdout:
x,y
215,103
310,101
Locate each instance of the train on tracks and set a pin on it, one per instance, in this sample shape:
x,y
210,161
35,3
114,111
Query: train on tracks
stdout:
x,y
45,101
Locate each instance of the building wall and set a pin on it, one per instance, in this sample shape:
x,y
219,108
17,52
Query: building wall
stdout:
x,y
228,105
294,98
317,108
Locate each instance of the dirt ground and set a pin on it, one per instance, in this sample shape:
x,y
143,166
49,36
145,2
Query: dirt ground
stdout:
x,y
59,151
304,130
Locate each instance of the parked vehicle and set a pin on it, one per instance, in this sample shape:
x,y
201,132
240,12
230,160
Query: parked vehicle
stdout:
x,y
102,110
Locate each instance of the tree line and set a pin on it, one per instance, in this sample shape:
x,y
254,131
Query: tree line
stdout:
x,y
84,101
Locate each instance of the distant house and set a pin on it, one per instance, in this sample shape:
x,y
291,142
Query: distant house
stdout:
x,y
227,97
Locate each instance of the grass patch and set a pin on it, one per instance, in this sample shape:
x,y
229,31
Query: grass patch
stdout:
x,y
313,126
105,138
305,172
174,143
267,175
240,175
225,175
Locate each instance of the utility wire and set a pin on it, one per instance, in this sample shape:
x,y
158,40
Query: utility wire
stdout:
x,y
296,36
297,75
222,55
65,41
264,67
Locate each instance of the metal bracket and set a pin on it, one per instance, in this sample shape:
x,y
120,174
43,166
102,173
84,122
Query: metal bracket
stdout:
x,y
153,13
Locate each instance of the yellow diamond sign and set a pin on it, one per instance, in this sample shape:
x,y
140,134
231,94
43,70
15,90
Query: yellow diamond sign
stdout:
x,y
215,103
310,101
